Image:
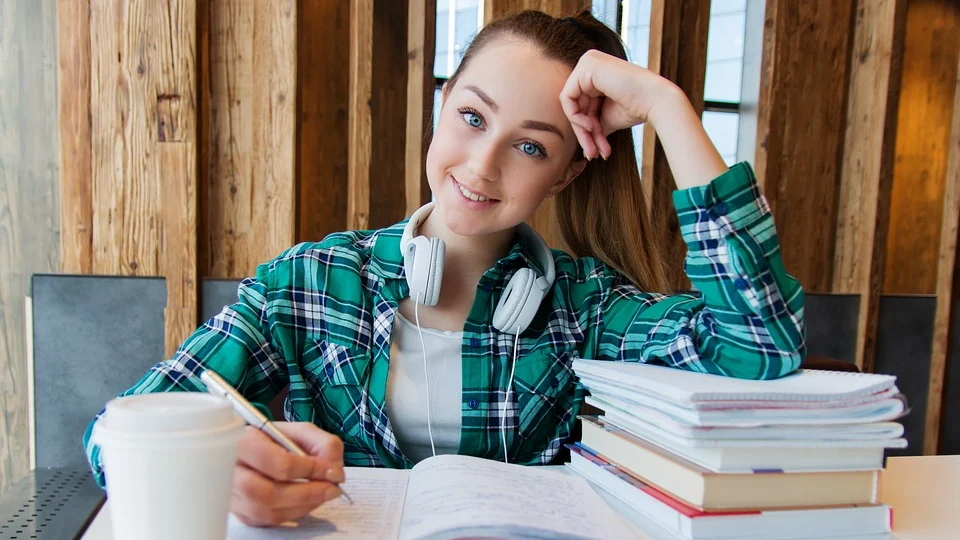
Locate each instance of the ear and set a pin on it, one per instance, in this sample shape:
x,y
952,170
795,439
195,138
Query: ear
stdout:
x,y
572,171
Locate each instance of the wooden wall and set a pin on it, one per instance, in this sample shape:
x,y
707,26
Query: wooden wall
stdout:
x,y
29,201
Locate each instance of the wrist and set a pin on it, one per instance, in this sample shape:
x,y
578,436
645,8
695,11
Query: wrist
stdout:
x,y
669,104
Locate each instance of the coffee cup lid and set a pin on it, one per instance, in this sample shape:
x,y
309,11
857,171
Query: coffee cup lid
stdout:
x,y
168,413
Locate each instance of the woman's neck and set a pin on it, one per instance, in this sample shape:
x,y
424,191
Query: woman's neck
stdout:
x,y
468,257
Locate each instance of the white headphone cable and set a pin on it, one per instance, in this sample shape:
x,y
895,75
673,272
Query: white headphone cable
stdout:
x,y
426,378
503,417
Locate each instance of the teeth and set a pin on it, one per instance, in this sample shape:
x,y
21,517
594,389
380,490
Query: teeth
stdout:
x,y
470,195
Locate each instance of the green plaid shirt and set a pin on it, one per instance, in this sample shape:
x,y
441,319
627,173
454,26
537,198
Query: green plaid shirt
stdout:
x,y
319,317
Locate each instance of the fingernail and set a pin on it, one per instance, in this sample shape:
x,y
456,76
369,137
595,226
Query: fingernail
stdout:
x,y
335,475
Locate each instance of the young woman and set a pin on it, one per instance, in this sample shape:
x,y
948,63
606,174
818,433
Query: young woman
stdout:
x,y
454,331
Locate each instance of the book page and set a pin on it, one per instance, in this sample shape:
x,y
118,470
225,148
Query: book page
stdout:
x,y
374,515
451,496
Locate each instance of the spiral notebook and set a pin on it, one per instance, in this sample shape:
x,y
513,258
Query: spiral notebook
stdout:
x,y
701,390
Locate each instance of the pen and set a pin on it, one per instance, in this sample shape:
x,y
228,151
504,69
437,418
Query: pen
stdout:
x,y
219,387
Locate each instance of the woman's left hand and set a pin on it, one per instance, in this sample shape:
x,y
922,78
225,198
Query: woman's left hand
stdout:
x,y
604,94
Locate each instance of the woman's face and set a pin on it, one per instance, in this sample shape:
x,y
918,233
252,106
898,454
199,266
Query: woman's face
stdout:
x,y
503,143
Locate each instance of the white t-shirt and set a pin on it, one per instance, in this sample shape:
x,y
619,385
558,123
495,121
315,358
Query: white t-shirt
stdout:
x,y
406,397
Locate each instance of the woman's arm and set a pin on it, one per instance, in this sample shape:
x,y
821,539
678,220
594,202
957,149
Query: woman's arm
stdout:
x,y
747,318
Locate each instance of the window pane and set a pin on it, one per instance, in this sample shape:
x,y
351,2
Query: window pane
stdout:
x,y
723,81
725,55
725,38
436,107
723,130
718,7
636,31
605,11
467,26
443,24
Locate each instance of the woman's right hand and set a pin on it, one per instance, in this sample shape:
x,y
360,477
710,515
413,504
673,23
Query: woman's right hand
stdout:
x,y
271,485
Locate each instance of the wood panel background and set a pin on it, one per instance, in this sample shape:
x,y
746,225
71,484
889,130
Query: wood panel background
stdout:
x,y
800,127
323,79
29,201
867,163
248,128
927,101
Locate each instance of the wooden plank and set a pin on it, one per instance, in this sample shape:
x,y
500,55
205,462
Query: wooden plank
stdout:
x,y
360,120
177,164
421,46
126,213
249,164
177,168
388,120
947,276
926,104
494,9
800,129
678,52
273,216
544,219
867,166
322,129
73,75
29,203
227,139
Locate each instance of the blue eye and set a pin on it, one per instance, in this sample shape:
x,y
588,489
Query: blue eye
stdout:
x,y
471,117
532,149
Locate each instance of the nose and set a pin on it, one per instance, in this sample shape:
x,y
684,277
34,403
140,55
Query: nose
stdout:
x,y
484,162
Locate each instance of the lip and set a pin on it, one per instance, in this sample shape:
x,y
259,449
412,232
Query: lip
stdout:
x,y
480,193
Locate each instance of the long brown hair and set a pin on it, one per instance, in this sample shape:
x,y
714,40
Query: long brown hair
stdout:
x,y
602,213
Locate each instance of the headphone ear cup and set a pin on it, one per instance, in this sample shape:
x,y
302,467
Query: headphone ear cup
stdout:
x,y
519,303
423,263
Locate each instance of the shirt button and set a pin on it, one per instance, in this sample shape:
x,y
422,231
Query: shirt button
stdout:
x,y
474,342
554,382
487,287
329,371
719,209
474,404
741,284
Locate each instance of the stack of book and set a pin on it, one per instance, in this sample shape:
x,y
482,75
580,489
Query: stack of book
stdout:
x,y
707,457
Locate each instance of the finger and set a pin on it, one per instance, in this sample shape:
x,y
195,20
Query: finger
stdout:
x,y
600,140
603,145
251,485
259,452
314,440
582,120
586,142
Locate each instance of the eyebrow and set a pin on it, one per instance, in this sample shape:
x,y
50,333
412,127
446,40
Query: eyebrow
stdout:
x,y
528,124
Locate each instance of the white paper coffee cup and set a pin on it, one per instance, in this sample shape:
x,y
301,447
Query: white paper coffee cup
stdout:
x,y
168,459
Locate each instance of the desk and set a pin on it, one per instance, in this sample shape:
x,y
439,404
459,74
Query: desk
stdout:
x,y
923,491
50,504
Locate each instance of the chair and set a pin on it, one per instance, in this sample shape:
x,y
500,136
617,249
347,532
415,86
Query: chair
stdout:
x,y
93,337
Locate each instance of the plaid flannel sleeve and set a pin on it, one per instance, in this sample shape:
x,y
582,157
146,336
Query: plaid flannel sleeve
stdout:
x,y
236,344
745,318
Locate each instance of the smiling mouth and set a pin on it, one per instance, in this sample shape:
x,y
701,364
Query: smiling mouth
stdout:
x,y
473,196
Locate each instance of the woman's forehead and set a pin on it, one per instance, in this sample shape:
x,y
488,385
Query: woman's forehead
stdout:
x,y
514,72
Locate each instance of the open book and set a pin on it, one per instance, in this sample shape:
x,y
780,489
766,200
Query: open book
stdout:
x,y
448,496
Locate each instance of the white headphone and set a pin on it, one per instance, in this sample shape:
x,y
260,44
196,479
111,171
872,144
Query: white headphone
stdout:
x,y
423,263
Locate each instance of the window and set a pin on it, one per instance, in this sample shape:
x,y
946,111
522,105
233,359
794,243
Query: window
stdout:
x,y
457,22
